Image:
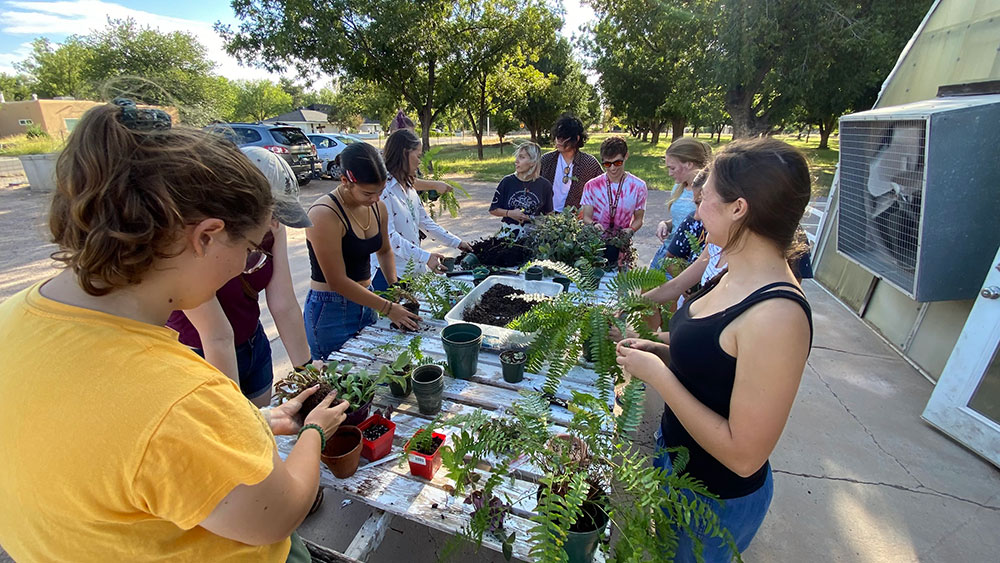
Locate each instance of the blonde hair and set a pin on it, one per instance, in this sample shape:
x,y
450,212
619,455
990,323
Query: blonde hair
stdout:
x,y
687,149
123,196
534,152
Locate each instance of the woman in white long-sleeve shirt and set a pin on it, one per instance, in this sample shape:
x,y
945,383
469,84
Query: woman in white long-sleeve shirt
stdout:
x,y
407,216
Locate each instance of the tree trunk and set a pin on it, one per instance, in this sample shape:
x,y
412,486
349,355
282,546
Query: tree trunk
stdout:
x,y
809,131
740,107
656,136
425,126
645,135
825,128
677,125
501,143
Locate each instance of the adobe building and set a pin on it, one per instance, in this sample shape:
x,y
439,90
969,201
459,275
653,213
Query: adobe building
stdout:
x,y
56,117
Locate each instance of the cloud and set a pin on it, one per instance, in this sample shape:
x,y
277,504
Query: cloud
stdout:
x,y
61,18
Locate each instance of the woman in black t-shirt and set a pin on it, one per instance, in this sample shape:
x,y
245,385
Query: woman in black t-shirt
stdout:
x,y
523,194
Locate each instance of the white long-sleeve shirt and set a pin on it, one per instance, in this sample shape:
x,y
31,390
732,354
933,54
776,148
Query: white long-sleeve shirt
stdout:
x,y
406,218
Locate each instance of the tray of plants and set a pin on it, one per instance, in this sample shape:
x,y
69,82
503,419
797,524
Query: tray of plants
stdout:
x,y
493,304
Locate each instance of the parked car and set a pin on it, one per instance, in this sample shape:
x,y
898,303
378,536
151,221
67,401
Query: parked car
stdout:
x,y
286,141
328,149
348,139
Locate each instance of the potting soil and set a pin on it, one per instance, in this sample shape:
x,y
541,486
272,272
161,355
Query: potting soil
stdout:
x,y
499,252
495,308
435,444
374,431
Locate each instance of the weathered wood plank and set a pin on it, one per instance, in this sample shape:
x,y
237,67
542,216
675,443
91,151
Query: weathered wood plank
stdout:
x,y
370,536
326,555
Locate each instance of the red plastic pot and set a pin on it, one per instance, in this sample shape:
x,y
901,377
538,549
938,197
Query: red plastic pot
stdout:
x,y
422,465
374,450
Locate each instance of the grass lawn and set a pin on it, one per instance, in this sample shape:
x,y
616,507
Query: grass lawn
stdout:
x,y
645,160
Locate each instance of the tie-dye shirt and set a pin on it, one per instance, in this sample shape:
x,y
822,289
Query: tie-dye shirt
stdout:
x,y
631,199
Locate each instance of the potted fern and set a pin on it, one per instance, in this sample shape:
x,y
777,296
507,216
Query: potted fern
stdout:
x,y
356,386
439,293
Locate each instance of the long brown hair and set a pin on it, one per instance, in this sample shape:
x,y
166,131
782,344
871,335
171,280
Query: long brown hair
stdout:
x,y
123,196
773,177
687,149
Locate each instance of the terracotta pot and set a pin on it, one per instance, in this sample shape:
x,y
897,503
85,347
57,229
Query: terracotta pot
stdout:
x,y
343,451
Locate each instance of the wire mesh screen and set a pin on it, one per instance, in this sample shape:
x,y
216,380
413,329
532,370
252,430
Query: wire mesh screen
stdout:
x,y
881,189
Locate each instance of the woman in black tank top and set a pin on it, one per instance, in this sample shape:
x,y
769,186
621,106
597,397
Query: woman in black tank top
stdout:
x,y
737,349
349,225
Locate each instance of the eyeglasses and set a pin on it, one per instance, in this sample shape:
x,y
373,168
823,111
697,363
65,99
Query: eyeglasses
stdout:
x,y
566,177
616,163
256,257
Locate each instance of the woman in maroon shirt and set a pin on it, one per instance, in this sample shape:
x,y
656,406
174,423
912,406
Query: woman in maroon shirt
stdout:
x,y
227,330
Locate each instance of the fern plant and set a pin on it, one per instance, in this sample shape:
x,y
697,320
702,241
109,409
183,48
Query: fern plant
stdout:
x,y
439,293
576,322
447,201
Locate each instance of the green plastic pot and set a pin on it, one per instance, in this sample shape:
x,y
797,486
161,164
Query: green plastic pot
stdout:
x,y
403,390
580,546
563,281
449,263
513,371
461,343
470,261
533,273
596,274
428,386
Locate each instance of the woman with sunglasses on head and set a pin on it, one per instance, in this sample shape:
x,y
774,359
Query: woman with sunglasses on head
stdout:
x,y
685,157
407,216
350,227
125,444
226,330
568,167
523,194
738,347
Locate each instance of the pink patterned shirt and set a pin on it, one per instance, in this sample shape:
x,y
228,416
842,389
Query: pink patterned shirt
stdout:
x,y
627,198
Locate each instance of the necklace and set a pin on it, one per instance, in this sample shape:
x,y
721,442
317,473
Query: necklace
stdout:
x,y
347,208
614,199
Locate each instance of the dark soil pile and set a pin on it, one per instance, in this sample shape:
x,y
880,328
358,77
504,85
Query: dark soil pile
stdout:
x,y
435,443
496,308
499,252
312,401
374,431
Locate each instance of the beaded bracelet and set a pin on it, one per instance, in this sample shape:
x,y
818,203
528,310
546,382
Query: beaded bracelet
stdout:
x,y
322,435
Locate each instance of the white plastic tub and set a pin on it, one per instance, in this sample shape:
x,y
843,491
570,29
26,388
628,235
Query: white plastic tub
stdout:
x,y
495,337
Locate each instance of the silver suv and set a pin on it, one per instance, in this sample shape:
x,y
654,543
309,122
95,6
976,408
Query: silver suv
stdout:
x,y
286,141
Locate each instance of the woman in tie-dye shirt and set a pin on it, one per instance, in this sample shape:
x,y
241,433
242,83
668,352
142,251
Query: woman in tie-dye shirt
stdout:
x,y
614,200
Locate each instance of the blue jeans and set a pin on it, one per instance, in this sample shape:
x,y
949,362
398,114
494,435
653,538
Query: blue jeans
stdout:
x,y
742,516
253,359
331,320
660,255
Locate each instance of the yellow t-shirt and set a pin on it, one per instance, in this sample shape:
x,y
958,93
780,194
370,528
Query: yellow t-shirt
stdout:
x,y
116,440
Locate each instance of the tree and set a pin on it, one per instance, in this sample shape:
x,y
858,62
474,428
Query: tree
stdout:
x,y
296,91
565,90
257,100
360,99
59,70
424,51
15,87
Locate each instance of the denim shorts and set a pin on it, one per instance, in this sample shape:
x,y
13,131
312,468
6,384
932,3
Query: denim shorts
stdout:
x,y
660,255
742,516
253,360
331,320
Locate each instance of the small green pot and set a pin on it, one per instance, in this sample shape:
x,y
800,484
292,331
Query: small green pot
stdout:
x,y
470,261
596,274
479,274
428,386
449,263
563,281
533,273
461,342
512,369
401,391
580,546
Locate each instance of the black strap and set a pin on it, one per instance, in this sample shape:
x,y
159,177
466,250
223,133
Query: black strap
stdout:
x,y
765,293
343,214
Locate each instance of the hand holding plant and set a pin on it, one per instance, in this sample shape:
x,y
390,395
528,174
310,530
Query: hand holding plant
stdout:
x,y
328,418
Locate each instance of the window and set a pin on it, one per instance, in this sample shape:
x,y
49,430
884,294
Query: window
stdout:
x,y
289,136
25,122
70,123
245,136
320,142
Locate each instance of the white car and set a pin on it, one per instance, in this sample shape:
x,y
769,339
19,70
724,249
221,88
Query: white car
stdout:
x,y
328,149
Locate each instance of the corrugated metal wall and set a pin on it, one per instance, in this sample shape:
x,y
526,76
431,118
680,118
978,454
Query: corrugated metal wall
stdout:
x,y
959,42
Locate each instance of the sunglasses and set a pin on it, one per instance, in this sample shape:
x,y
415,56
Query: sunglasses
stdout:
x,y
566,177
256,258
616,163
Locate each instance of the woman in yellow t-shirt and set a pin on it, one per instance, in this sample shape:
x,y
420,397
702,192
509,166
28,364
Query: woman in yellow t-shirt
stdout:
x,y
118,442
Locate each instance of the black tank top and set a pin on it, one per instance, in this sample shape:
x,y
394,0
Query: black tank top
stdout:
x,y
708,373
356,251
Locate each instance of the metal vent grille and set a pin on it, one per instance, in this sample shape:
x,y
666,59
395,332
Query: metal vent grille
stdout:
x,y
882,182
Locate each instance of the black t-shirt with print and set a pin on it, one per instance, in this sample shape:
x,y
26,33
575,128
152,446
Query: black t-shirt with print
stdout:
x,y
534,197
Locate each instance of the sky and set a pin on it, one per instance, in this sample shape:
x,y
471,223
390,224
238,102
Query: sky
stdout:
x,y
21,21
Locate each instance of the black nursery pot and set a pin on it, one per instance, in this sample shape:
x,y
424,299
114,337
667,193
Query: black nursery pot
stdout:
x,y
512,365
398,390
611,254
411,307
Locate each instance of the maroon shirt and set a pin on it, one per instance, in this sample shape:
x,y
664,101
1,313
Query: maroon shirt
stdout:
x,y
242,311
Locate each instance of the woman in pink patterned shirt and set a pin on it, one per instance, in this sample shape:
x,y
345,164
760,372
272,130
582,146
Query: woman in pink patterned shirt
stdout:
x,y
614,200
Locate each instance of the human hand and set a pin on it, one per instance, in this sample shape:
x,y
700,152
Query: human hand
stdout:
x,y
434,263
519,216
616,335
652,346
401,317
465,247
599,226
640,364
663,229
326,417
282,419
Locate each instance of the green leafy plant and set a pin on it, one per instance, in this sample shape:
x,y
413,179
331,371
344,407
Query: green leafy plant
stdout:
x,y
562,237
447,201
572,323
357,386
422,439
622,240
439,293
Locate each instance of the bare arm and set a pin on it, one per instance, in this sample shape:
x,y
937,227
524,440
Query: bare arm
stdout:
x,y
637,219
588,214
768,370
216,335
422,185
284,307
684,281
